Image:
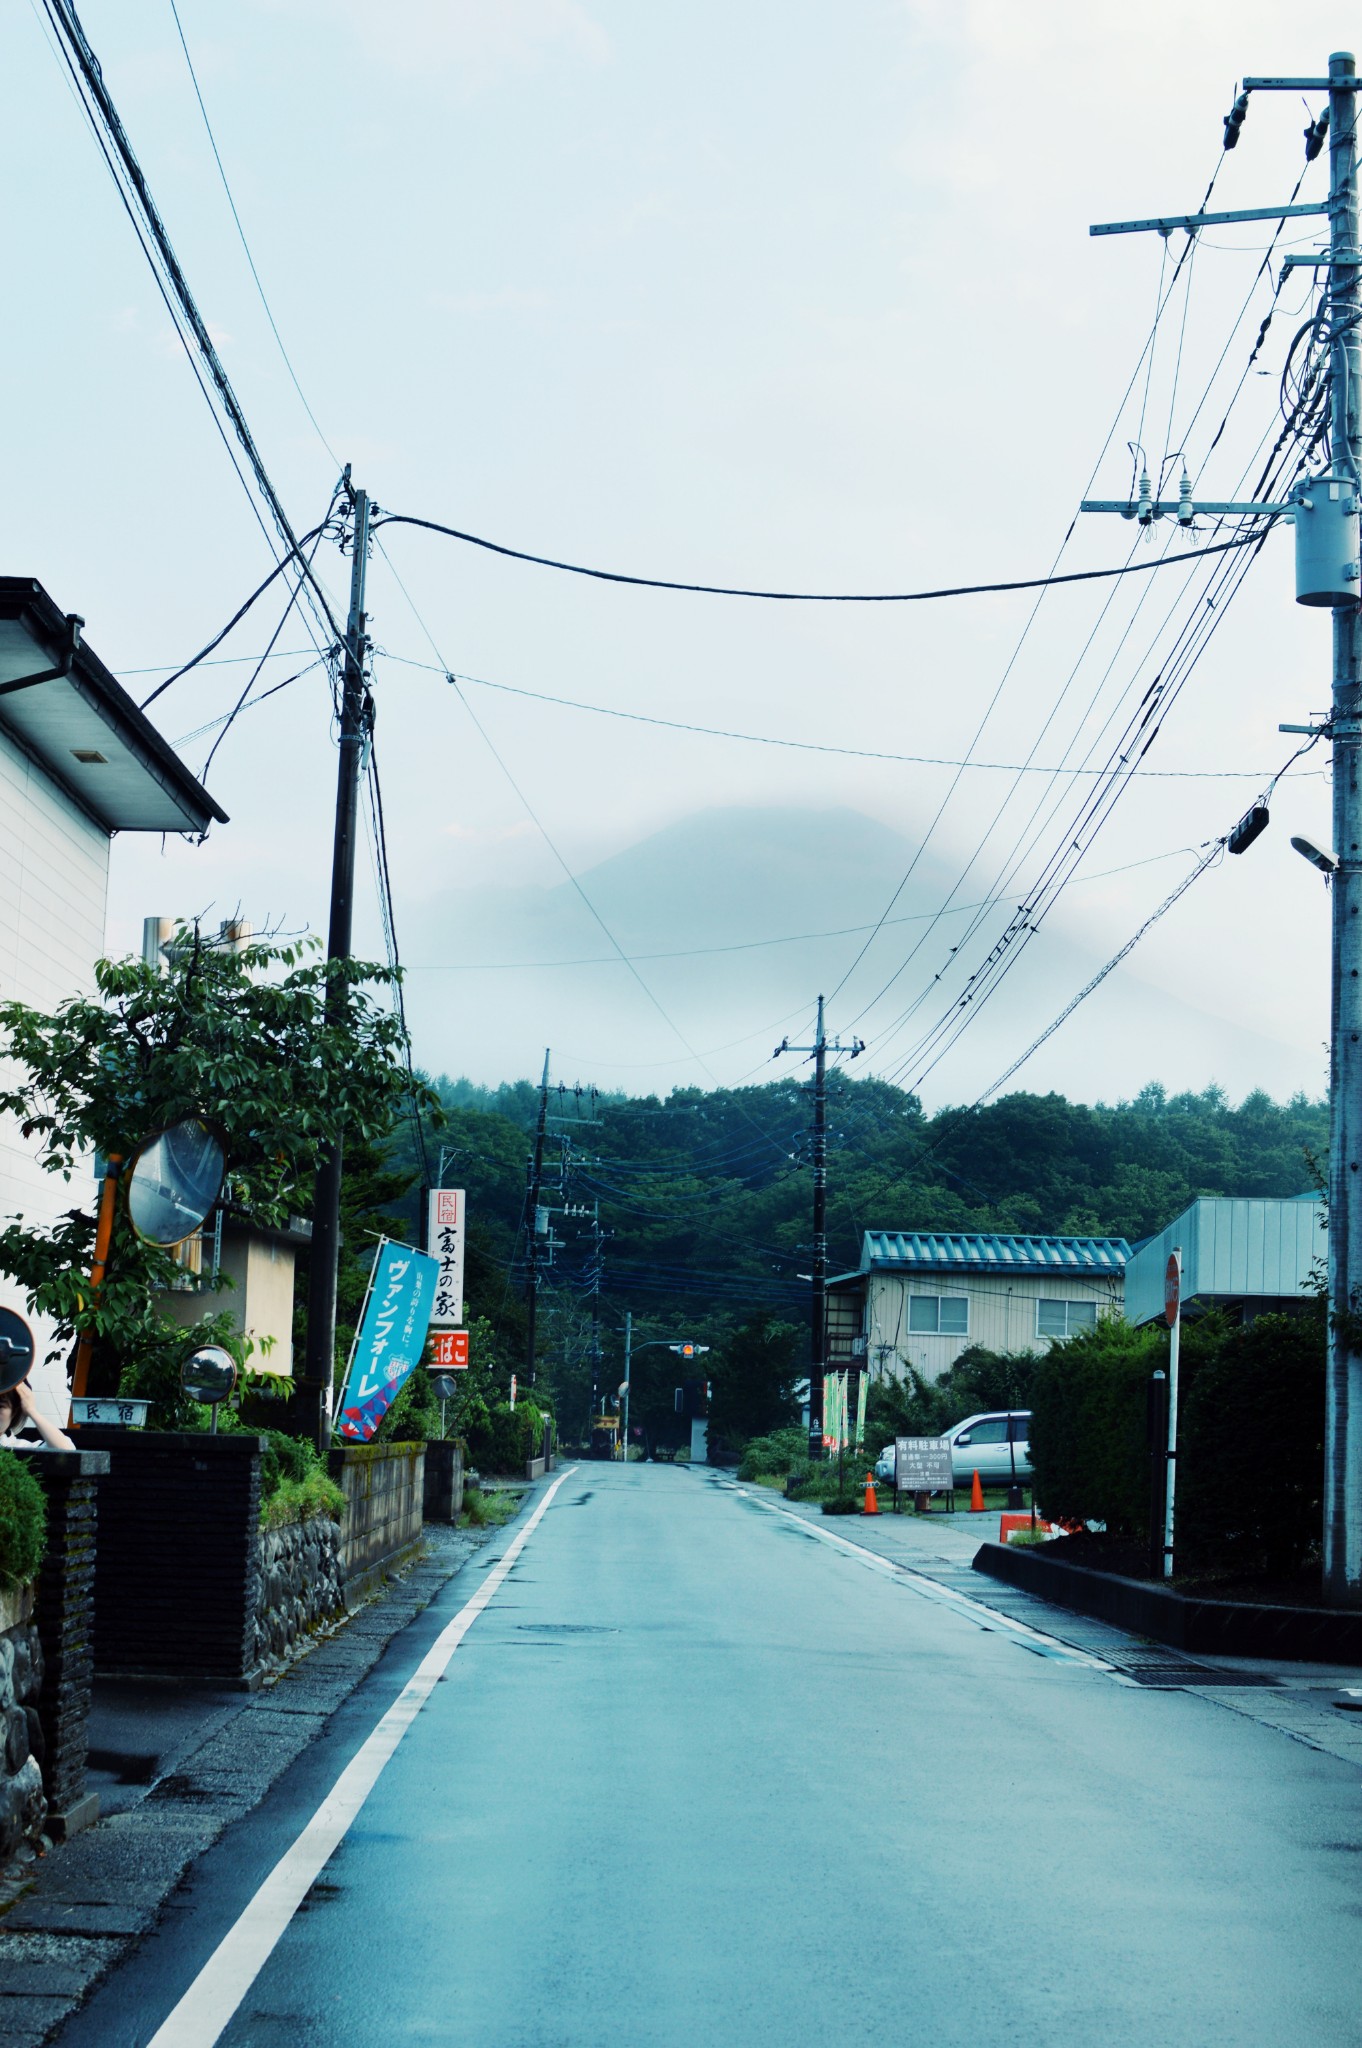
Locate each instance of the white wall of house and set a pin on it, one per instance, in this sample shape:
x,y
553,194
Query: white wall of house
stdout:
x,y
54,873
1005,1312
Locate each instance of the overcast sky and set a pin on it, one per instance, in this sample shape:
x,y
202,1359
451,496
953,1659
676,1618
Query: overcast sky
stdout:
x,y
777,295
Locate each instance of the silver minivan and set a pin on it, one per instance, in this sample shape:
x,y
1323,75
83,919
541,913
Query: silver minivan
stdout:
x,y
996,1446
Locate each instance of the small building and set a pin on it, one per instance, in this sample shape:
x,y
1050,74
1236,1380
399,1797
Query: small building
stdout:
x,y
1245,1257
921,1297
247,1272
78,762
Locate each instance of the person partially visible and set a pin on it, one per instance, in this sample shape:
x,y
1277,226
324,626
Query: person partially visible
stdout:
x,y
19,1410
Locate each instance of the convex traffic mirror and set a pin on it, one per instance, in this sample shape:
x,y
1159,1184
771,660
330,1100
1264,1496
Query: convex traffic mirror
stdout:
x,y
16,1350
174,1180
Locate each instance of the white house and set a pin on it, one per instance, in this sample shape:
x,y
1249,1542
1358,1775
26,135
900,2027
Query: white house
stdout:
x,y
921,1297
78,762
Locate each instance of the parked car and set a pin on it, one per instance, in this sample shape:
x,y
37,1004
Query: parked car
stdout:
x,y
884,1464
996,1446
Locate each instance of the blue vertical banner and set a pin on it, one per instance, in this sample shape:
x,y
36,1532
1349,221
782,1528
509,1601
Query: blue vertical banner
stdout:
x,y
390,1338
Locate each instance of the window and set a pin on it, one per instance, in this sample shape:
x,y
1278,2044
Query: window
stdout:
x,y
992,1430
1064,1318
939,1315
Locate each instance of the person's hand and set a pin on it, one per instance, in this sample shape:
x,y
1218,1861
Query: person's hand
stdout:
x,y
23,1394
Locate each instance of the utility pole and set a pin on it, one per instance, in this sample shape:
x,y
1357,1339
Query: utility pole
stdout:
x,y
313,1387
628,1374
536,1179
1343,1396
818,1309
1324,510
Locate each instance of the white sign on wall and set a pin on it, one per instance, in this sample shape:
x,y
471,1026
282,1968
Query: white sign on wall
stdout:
x,y
445,1236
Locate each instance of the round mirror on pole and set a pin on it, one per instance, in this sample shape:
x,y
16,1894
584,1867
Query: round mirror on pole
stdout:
x,y
16,1350
173,1181
209,1375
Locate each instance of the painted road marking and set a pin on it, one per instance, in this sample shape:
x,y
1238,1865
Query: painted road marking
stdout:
x,y
203,2014
929,1589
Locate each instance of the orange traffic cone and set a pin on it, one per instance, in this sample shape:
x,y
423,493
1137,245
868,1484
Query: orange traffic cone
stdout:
x,y
872,1506
976,1495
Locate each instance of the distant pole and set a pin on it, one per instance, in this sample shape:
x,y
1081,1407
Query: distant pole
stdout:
x,y
820,1049
818,1352
536,1179
1343,1387
628,1374
1172,1308
312,1397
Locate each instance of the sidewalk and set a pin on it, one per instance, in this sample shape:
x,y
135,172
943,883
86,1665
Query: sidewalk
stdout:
x,y
174,1766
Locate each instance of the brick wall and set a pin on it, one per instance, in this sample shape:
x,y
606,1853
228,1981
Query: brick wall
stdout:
x,y
64,1615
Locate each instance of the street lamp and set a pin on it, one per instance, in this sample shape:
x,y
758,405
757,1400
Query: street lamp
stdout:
x,y
683,1346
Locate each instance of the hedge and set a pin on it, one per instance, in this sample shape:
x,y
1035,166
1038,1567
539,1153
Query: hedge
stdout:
x,y
23,1520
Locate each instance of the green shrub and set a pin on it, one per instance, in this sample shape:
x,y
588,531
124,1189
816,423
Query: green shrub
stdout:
x,y
298,1500
294,1482
1088,1426
23,1520
507,1439
1251,1447
768,1457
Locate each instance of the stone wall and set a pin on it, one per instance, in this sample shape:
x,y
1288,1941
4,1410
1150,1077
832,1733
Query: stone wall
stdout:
x,y
300,1585
384,1488
22,1805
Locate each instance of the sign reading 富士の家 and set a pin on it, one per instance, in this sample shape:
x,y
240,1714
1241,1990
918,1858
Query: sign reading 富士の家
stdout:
x,y
445,1224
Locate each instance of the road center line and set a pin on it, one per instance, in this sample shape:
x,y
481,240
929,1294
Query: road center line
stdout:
x,y
207,2007
929,1589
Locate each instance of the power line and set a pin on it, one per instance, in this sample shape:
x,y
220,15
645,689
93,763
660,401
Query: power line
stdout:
x,y
787,596
137,200
246,247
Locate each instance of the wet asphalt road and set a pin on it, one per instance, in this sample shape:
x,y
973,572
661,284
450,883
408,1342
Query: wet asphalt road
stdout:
x,y
696,1775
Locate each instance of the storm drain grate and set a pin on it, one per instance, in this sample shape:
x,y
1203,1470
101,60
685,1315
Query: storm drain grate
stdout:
x,y
566,1628
1151,1673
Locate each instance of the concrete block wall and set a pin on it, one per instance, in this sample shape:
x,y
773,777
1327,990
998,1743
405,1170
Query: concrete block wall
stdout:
x,y
64,1617
177,1567
384,1488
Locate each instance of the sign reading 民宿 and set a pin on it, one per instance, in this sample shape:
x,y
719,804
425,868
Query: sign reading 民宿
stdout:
x,y
390,1338
444,1239
922,1464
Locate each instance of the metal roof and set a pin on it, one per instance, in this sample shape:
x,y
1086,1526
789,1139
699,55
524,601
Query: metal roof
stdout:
x,y
81,726
985,1251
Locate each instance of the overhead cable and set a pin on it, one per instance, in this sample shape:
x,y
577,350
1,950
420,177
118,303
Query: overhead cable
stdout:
x,y
795,596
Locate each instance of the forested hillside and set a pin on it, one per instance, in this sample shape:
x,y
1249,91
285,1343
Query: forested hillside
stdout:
x,y
703,1199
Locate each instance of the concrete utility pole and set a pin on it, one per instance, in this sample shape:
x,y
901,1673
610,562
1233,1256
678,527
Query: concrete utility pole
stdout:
x,y
313,1387
1324,509
536,1183
1343,1411
818,1304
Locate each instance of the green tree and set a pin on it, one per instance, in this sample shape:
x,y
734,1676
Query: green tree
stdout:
x,y
242,1038
753,1379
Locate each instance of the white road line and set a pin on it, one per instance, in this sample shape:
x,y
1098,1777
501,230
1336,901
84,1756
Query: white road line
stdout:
x,y
975,1610
203,2014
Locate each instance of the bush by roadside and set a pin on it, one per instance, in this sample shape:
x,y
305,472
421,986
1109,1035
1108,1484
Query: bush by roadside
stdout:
x,y
23,1521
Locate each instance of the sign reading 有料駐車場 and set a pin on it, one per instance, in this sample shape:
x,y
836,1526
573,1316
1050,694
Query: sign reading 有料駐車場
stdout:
x,y
922,1464
445,1223
390,1338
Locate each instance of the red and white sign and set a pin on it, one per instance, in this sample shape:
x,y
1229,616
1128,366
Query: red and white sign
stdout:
x,y
513,1389
445,1227
1172,1287
449,1350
